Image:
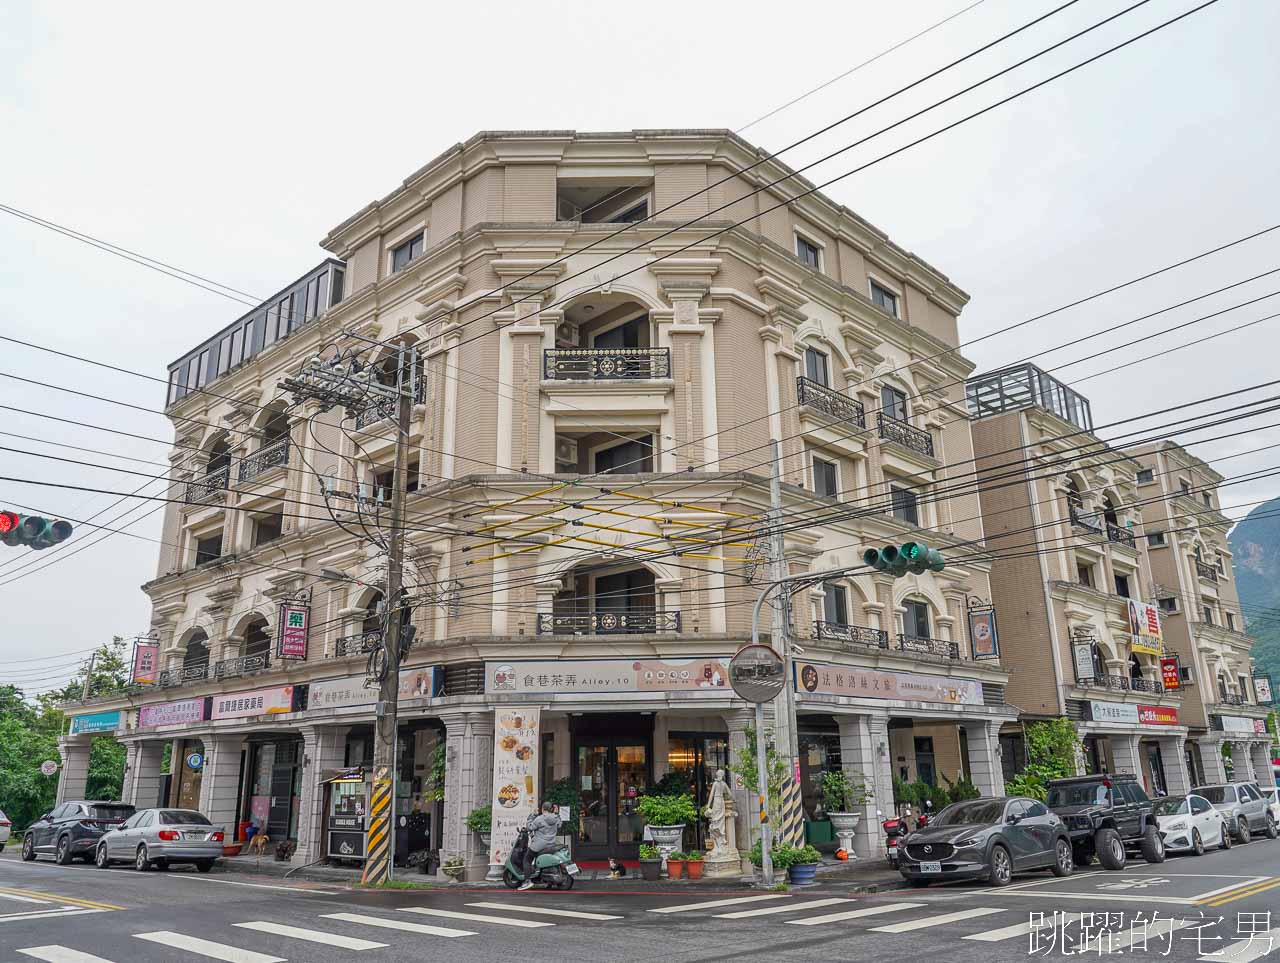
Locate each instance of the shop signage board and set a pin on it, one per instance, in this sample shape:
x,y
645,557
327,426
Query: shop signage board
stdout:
x,y
827,679
419,683
1240,724
1122,712
567,677
295,621
174,713
517,738
1158,715
1262,686
95,722
1144,624
259,702
146,658
982,632
1170,674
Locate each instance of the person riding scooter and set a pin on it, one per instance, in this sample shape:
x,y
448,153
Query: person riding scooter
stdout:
x,y
543,829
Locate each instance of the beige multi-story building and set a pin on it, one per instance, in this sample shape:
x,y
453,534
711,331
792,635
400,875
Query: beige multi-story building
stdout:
x,y
589,474
1188,573
1099,554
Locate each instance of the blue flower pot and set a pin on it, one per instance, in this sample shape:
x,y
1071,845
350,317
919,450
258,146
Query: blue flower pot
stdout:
x,y
802,874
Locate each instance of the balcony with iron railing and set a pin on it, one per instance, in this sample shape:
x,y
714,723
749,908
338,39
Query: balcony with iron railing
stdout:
x,y
924,645
183,674
831,403
605,622
242,665
908,436
386,408
1206,571
208,488
264,459
847,635
359,644
605,364
1232,699
1087,522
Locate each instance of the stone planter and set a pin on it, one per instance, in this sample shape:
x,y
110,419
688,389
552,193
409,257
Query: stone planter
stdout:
x,y
455,873
667,839
802,874
651,869
845,825
485,839
694,868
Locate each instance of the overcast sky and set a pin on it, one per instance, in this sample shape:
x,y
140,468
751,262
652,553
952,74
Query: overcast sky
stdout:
x,y
228,140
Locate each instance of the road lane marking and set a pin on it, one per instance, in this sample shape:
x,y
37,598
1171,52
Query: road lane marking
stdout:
x,y
396,924
54,898
1249,882
218,951
61,954
1024,929
687,907
855,914
232,882
789,908
475,917
1246,951
1238,894
924,922
545,911
22,899
47,915
314,936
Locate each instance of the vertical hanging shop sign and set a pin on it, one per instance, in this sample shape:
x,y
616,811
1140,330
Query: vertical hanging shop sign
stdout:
x,y
146,656
982,630
516,741
295,620
1170,672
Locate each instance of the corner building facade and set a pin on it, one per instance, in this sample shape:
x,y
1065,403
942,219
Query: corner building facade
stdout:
x,y
589,474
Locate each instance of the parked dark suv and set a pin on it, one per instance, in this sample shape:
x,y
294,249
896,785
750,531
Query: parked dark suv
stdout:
x,y
73,829
1107,815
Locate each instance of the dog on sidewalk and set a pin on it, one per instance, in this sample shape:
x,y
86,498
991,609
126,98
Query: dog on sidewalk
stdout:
x,y
258,845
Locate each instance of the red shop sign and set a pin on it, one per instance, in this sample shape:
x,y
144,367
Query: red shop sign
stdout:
x,y
1169,674
1158,715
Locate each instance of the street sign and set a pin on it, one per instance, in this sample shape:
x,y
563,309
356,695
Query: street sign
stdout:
x,y
48,767
757,673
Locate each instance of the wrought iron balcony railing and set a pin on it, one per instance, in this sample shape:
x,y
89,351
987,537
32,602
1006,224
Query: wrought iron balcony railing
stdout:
x,y
834,404
927,646
380,410
891,429
208,488
1120,535
851,634
1090,523
244,665
264,459
180,676
624,622
1206,571
1146,685
1232,699
605,364
359,644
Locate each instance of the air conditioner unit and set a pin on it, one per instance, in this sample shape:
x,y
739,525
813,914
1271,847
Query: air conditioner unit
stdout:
x,y
1185,674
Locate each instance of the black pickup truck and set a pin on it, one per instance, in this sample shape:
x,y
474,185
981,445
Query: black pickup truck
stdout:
x,y
1106,815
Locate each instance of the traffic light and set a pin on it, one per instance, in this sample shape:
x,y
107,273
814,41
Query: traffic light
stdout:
x,y
895,560
32,530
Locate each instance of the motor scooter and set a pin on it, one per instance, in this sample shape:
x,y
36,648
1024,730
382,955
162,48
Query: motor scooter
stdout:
x,y
553,869
895,831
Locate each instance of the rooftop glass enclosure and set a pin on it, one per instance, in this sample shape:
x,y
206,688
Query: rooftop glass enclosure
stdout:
x,y
1022,386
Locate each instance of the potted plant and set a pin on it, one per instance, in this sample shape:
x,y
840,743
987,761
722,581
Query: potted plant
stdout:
x,y
454,868
675,865
693,864
801,862
650,862
666,817
479,821
840,796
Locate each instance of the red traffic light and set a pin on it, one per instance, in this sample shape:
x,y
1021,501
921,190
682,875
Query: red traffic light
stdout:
x,y
8,522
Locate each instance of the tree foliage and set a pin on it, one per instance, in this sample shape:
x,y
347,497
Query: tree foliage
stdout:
x,y
744,766
1053,747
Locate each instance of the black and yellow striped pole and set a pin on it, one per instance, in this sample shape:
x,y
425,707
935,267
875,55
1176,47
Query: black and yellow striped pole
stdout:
x,y
791,831
377,863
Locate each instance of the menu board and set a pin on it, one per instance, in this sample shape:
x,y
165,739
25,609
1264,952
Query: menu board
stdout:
x,y
516,739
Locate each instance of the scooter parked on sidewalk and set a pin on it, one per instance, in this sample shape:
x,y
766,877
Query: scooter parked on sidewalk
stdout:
x,y
554,870
895,831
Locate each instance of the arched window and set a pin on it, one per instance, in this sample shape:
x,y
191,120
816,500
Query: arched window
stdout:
x,y
256,640
372,615
1109,512
275,428
1135,667
219,456
1074,499
197,653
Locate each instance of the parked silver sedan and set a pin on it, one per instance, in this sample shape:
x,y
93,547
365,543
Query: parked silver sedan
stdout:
x,y
1243,807
162,837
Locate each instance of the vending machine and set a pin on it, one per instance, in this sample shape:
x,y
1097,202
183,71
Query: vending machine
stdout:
x,y
349,794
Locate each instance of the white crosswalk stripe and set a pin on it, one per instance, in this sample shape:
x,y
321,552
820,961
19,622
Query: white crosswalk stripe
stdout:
x,y
218,951
791,908
855,914
1246,951
61,954
925,922
546,911
474,917
712,904
389,924
313,936
1024,929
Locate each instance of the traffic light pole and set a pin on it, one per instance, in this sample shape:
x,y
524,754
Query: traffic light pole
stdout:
x,y
378,864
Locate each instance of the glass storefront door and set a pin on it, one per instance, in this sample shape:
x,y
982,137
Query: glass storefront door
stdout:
x,y
696,757
189,776
611,778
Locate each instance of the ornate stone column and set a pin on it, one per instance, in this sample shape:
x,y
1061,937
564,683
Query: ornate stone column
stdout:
x,y
220,780
323,747
985,770
864,751
75,768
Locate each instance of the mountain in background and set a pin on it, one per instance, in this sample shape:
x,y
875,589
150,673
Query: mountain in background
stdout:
x,y
1255,543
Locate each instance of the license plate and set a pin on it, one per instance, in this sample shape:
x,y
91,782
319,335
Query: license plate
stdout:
x,y
931,867
572,869
193,835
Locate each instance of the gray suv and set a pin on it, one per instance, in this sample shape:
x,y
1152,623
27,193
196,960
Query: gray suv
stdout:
x,y
1243,807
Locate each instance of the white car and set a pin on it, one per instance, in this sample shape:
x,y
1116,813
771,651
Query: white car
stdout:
x,y
1190,824
5,827
1270,796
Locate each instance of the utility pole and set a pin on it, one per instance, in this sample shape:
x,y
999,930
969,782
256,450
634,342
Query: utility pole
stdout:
x,y
789,820
88,677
